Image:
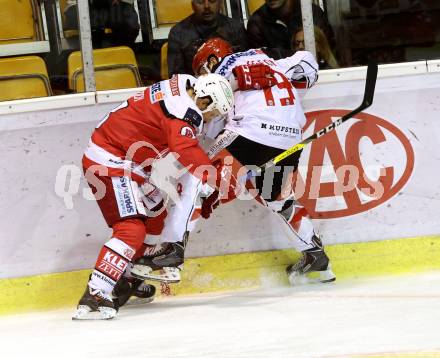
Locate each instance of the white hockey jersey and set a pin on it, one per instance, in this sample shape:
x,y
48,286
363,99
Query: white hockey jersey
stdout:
x,y
272,116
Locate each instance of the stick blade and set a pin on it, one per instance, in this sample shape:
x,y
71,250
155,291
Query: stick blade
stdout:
x,y
370,84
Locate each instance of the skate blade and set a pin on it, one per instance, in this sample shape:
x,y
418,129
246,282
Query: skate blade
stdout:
x,y
137,301
326,276
85,313
166,274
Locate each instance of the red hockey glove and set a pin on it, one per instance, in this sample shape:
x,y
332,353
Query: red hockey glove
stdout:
x,y
227,189
255,76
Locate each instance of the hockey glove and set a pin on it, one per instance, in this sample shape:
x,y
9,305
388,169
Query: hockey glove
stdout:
x,y
255,76
227,189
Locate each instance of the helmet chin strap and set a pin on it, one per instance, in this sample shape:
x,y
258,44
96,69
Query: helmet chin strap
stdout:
x,y
209,108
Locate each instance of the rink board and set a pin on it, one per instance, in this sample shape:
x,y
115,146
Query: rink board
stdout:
x,y
234,272
50,225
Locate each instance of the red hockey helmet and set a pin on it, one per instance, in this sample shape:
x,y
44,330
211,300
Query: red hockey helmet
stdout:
x,y
213,47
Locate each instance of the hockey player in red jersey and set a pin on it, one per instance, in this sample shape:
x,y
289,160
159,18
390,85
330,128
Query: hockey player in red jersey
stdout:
x,y
164,118
265,123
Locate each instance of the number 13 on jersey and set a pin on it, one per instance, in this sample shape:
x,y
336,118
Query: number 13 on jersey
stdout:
x,y
283,83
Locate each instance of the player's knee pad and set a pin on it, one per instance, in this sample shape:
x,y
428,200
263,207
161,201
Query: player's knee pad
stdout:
x,y
130,231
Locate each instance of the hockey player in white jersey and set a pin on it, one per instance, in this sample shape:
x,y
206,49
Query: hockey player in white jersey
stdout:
x,y
265,123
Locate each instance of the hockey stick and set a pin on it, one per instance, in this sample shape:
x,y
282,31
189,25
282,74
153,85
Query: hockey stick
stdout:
x,y
370,84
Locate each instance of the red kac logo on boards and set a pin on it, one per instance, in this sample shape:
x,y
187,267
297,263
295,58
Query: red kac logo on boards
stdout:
x,y
365,132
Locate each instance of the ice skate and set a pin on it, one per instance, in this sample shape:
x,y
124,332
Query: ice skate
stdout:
x,y
313,267
94,305
126,288
163,266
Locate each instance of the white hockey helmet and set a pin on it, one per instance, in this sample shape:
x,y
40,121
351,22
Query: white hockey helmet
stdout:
x,y
218,89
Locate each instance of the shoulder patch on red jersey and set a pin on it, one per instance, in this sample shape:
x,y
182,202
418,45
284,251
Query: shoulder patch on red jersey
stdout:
x,y
174,84
192,117
187,132
156,93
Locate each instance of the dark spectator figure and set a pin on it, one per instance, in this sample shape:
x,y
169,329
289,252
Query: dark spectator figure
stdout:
x,y
205,22
388,31
325,57
273,24
119,16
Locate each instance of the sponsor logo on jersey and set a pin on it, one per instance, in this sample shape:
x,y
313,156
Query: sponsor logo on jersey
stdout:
x,y
266,61
352,170
192,117
124,196
156,93
187,132
221,142
138,96
279,130
174,85
118,162
230,61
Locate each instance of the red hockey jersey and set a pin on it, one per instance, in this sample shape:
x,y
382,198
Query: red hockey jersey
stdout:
x,y
161,119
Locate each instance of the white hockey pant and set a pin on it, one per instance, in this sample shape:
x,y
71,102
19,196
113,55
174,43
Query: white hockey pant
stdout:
x,y
179,212
298,224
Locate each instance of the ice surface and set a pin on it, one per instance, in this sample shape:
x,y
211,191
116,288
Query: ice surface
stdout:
x,y
395,314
